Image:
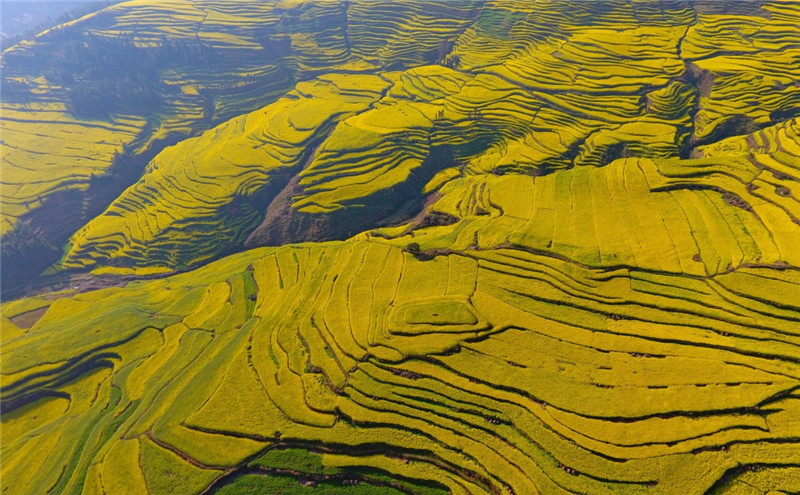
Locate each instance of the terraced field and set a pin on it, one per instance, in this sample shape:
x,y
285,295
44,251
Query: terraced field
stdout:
x,y
137,77
732,208
582,94
403,247
230,169
474,371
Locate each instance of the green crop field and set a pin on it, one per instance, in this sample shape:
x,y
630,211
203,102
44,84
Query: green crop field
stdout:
x,y
402,247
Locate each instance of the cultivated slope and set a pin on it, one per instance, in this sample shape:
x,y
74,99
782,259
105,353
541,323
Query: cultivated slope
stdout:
x,y
566,252
640,83
647,343
475,371
123,83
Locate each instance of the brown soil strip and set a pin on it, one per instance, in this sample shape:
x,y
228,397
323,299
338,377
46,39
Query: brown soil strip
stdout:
x,y
29,318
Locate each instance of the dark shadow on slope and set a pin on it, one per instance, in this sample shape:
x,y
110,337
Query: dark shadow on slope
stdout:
x,y
735,125
283,224
724,7
36,241
779,116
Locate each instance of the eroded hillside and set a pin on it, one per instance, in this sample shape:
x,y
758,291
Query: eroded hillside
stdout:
x,y
480,247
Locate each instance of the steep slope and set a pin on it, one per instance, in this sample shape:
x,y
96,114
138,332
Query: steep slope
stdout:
x,y
561,249
205,194
630,82
569,333
138,76
735,207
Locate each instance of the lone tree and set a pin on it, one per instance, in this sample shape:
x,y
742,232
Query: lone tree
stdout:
x,y
413,248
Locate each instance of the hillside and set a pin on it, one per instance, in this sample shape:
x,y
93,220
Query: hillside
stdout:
x,y
403,247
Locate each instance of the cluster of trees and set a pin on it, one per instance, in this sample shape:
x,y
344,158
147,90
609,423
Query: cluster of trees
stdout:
x,y
126,167
21,239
